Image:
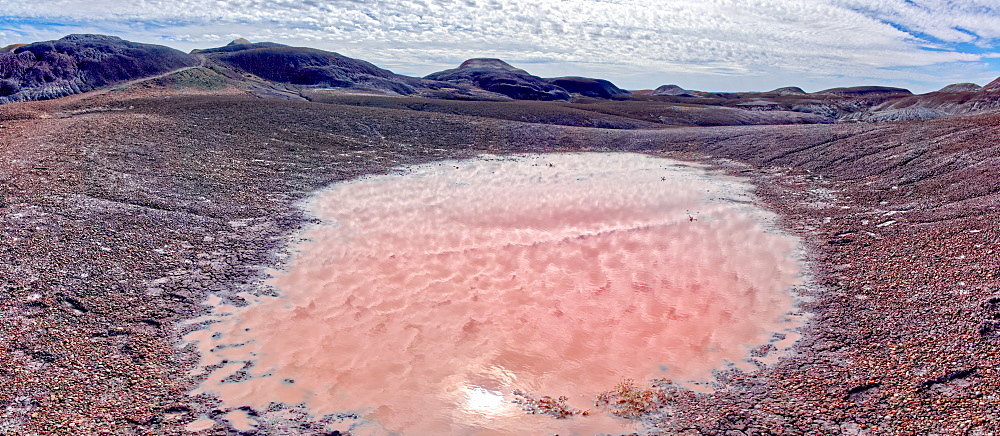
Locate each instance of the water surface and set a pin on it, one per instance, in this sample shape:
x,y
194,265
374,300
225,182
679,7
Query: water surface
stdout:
x,y
426,297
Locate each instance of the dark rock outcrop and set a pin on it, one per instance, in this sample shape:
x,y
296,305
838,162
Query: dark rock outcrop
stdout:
x,y
867,91
81,63
497,76
588,87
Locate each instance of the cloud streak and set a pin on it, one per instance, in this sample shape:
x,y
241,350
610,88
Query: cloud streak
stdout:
x,y
814,41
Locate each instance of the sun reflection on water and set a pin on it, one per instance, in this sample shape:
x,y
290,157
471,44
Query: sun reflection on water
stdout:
x,y
485,402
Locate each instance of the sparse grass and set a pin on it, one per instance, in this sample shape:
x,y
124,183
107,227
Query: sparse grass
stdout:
x,y
200,79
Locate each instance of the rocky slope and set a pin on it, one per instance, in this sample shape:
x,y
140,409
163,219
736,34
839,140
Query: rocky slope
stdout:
x,y
866,91
855,104
588,87
961,98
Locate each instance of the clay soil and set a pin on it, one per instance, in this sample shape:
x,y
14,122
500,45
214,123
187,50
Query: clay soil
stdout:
x,y
120,213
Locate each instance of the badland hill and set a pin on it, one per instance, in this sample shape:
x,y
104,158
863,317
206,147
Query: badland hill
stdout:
x,y
80,63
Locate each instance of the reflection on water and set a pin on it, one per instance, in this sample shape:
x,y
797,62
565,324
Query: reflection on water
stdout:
x,y
425,298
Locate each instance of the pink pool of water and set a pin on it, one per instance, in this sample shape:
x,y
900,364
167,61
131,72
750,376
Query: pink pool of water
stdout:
x,y
426,297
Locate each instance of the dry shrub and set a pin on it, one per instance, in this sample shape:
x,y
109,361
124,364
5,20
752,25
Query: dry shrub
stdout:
x,y
546,405
629,401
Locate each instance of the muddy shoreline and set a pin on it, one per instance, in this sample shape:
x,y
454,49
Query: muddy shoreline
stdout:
x,y
120,215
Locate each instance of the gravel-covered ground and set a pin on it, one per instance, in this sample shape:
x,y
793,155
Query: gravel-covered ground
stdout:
x,y
121,213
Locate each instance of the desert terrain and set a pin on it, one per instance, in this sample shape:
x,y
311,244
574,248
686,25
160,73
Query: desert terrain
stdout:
x,y
122,210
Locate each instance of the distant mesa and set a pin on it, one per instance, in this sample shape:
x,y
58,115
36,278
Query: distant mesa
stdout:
x,y
497,76
81,63
961,87
588,87
867,91
674,91
788,90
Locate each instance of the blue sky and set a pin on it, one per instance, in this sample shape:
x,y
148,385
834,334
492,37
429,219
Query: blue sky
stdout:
x,y
713,45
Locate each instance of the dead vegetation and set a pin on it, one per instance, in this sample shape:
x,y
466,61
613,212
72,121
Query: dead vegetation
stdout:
x,y
630,401
546,405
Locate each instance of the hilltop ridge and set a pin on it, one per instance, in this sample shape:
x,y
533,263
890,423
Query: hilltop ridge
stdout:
x,y
82,63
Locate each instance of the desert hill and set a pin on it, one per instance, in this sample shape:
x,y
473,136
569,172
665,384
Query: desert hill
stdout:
x,y
310,67
588,87
497,76
788,90
81,63
674,90
961,87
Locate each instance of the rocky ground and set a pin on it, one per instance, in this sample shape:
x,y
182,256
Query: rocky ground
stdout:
x,y
120,213
900,228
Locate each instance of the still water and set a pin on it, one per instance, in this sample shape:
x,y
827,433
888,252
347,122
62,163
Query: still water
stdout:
x,y
426,297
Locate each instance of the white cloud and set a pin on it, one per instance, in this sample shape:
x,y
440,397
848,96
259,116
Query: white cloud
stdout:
x,y
948,20
808,39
